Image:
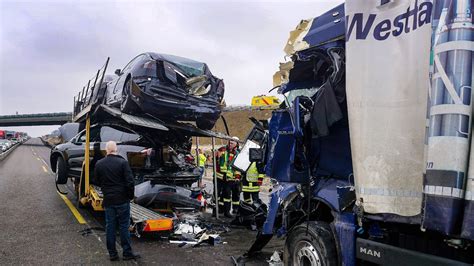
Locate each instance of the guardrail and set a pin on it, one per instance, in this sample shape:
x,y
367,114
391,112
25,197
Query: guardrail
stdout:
x,y
4,155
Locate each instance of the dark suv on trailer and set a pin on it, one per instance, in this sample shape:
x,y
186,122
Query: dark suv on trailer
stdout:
x,y
148,159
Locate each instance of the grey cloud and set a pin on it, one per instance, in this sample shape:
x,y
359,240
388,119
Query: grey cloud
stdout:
x,y
49,49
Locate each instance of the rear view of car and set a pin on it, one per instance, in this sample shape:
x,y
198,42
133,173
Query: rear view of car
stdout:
x,y
168,87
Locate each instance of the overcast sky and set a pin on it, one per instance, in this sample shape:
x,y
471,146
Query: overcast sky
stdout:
x,y
49,49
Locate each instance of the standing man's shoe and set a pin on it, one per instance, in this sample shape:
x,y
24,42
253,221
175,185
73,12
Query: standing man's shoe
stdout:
x,y
133,256
228,215
114,258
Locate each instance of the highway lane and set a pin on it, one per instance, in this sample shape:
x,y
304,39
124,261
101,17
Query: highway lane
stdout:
x,y
36,225
40,229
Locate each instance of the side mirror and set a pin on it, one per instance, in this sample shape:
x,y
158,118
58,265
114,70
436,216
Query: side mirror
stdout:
x,y
118,72
255,155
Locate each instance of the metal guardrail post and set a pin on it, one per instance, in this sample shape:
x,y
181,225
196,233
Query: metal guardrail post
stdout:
x,y
197,161
214,175
87,154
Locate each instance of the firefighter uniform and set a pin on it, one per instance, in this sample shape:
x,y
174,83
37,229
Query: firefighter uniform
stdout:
x,y
231,183
220,174
251,183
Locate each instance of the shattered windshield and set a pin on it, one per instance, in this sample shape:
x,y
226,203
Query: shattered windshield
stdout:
x,y
291,95
190,67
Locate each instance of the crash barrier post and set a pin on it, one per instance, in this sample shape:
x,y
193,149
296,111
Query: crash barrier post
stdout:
x,y
214,176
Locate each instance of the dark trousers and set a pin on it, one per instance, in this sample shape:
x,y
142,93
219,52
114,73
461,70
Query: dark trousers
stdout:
x,y
220,198
235,189
251,196
231,195
118,215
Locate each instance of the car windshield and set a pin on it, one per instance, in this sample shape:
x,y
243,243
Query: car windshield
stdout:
x,y
190,67
122,135
107,133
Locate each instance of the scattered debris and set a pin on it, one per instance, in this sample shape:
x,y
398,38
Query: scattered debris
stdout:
x,y
186,228
252,215
275,259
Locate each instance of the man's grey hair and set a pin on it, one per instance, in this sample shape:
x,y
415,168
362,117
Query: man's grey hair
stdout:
x,y
111,147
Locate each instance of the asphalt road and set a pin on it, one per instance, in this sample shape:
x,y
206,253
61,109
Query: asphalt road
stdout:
x,y
39,228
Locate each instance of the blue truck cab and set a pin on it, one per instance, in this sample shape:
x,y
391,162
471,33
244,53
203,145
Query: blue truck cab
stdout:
x,y
307,155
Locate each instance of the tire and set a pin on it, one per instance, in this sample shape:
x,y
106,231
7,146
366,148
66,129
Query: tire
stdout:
x,y
311,243
61,171
127,105
205,124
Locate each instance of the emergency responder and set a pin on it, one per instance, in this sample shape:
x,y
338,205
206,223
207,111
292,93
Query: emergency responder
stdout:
x,y
231,186
251,183
220,180
202,165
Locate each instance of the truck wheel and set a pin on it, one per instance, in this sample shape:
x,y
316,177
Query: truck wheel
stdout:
x,y
127,105
61,171
311,243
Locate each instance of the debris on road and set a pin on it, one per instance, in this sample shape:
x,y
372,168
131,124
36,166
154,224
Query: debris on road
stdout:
x,y
275,259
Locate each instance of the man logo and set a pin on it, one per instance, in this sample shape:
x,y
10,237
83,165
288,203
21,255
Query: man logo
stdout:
x,y
370,252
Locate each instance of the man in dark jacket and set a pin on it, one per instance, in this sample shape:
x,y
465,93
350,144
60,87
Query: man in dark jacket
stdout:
x,y
116,180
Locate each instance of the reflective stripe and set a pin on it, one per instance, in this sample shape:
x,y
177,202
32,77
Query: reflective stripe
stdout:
x,y
249,200
227,200
221,203
250,188
235,202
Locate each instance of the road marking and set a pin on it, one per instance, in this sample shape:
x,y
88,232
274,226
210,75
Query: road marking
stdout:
x,y
73,209
47,165
44,169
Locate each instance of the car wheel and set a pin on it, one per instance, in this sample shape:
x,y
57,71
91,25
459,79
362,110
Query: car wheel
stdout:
x,y
127,105
205,124
61,171
311,243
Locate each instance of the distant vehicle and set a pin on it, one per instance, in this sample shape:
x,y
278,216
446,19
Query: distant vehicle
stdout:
x,y
9,134
2,134
167,87
6,143
3,147
148,159
265,101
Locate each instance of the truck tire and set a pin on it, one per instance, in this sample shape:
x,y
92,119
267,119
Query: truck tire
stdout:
x,y
311,243
61,171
